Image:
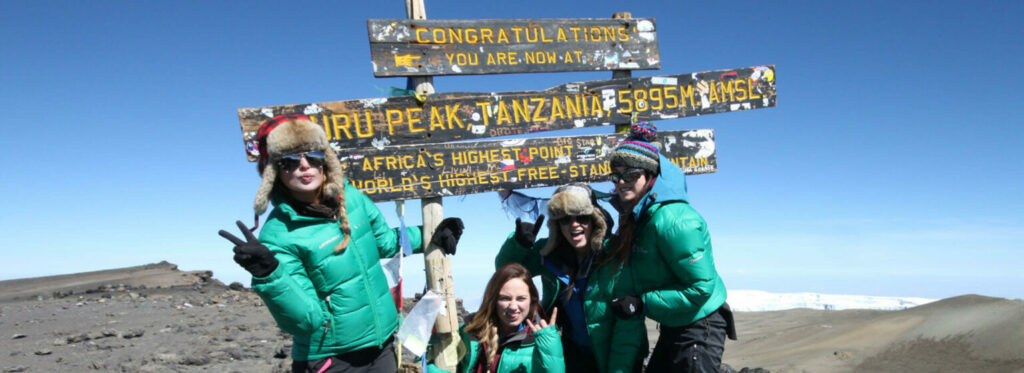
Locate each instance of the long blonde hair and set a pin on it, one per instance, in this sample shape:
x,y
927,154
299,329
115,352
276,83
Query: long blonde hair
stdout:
x,y
484,325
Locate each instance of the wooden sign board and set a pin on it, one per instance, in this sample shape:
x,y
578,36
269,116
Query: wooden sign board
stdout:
x,y
447,169
385,122
405,47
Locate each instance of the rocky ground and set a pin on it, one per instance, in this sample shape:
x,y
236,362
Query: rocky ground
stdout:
x,y
155,318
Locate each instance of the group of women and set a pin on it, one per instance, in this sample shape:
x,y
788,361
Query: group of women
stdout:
x,y
316,266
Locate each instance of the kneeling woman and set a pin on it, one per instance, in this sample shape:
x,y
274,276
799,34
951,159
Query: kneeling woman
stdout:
x,y
508,334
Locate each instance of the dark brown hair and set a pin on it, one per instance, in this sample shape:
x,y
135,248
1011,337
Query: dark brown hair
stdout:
x,y
484,325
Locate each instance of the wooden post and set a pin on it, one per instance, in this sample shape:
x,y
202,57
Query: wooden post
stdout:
x,y
437,266
622,127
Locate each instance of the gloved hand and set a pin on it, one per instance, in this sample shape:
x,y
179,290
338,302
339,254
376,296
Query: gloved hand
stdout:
x,y
251,254
628,306
526,233
447,234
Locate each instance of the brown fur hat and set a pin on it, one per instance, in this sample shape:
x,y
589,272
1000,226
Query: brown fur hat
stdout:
x,y
290,134
573,200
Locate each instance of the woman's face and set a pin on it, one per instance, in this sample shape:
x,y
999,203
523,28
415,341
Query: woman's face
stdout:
x,y
630,183
576,230
303,180
513,305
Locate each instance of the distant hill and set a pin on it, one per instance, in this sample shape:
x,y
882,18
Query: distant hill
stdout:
x,y
155,275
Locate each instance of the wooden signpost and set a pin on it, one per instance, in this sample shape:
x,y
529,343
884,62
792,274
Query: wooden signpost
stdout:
x,y
398,148
411,47
384,122
449,169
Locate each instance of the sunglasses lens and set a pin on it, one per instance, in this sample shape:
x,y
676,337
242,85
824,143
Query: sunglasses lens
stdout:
x,y
289,162
628,176
315,159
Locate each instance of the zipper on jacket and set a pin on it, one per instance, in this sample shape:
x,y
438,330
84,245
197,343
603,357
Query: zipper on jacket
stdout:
x,y
327,326
373,302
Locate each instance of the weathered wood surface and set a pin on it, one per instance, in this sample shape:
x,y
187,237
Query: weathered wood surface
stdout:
x,y
447,169
386,122
404,47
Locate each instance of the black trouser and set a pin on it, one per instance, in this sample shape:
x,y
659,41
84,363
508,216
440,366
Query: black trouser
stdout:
x,y
372,359
696,347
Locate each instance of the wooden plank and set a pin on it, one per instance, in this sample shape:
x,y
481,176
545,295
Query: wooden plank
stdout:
x,y
385,122
447,169
404,47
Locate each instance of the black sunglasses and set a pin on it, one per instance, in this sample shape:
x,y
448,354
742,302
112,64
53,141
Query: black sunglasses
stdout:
x,y
582,219
289,162
629,176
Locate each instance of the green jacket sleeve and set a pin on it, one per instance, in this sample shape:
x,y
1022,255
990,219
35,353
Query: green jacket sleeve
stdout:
x,y
685,246
290,296
386,237
547,353
513,252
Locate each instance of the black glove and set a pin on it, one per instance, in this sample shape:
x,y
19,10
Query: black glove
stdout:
x,y
628,306
526,233
447,234
251,254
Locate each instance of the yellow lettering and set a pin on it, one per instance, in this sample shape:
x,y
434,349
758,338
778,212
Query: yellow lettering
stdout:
x,y
575,32
452,113
455,35
572,107
521,109
626,101
741,89
687,92
437,39
623,36
753,93
471,36
344,127
435,119
485,110
517,30
539,106
503,116
369,125
561,35
655,96
502,36
414,119
542,38
420,39
556,109
485,35
670,94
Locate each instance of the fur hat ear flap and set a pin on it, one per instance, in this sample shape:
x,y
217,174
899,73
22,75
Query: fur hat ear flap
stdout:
x,y
263,193
554,237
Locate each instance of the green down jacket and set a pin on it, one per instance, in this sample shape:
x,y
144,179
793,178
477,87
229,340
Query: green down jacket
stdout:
x,y
618,344
672,262
540,352
331,303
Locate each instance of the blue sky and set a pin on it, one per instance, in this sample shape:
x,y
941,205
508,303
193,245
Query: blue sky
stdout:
x,y
888,168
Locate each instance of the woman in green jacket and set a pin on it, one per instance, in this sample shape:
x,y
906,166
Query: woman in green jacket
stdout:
x,y
316,263
667,245
581,282
501,338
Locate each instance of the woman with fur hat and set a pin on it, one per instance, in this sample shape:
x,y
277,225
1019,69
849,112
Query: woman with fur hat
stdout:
x,y
508,334
667,245
581,282
316,263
